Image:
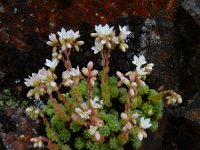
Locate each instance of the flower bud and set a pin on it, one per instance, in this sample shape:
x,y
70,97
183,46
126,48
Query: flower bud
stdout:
x,y
124,116
90,65
80,42
93,34
85,71
149,67
94,73
59,56
125,81
119,74
131,91
54,54
76,48
108,45
69,45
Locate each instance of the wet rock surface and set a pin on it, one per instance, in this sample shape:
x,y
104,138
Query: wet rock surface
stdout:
x,y
24,30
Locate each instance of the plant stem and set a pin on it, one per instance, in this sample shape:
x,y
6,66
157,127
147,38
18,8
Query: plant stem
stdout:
x,y
68,62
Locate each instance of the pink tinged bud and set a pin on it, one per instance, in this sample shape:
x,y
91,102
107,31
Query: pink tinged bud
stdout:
x,y
74,117
94,72
85,71
135,115
131,91
126,81
119,74
68,82
132,77
90,65
84,106
92,81
78,110
129,126
124,116
133,84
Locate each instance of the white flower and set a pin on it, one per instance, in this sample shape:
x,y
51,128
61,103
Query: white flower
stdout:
x,y
37,142
123,32
75,72
145,123
52,64
98,46
96,103
139,61
93,131
83,114
45,75
69,35
66,75
104,30
69,73
33,80
53,40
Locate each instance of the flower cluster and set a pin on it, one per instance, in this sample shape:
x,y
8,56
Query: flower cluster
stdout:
x,y
38,142
66,40
105,36
33,113
43,82
97,110
69,76
144,124
84,113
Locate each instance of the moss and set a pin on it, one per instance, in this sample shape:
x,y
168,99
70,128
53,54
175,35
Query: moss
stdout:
x,y
123,95
154,96
75,127
114,91
104,130
64,135
148,109
143,90
114,144
106,95
79,143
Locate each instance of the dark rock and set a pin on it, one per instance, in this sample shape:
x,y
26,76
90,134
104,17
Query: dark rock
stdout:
x,y
16,130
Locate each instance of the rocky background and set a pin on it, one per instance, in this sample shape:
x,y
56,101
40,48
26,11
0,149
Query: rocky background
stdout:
x,y
24,29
